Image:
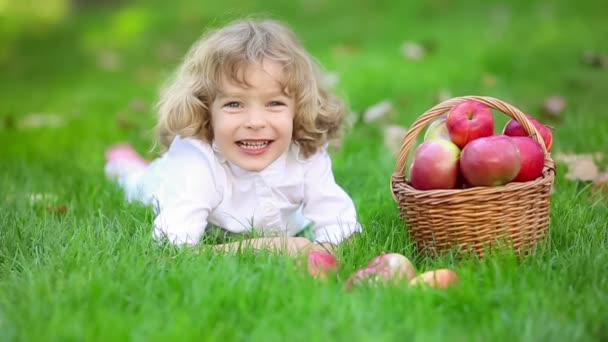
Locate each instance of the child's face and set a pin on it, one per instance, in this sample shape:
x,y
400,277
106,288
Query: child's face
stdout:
x,y
252,126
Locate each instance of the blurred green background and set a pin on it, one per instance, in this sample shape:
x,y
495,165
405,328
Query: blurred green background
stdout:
x,y
98,64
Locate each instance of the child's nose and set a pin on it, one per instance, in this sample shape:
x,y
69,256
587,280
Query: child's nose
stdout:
x,y
255,119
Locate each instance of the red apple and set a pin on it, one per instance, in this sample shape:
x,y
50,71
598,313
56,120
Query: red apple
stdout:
x,y
321,263
514,129
469,120
385,269
441,278
397,266
532,159
435,165
490,161
438,129
368,277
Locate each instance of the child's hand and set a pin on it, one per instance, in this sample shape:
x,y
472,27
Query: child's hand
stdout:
x,y
322,247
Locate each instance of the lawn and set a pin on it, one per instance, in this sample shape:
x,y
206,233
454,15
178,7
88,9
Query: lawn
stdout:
x,y
78,263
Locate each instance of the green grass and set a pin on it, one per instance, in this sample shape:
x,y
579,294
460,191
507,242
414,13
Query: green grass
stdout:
x,y
93,273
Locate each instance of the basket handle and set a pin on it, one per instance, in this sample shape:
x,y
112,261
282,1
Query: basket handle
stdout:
x,y
438,110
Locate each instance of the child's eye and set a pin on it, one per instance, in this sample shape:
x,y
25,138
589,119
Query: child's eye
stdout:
x,y
276,103
232,104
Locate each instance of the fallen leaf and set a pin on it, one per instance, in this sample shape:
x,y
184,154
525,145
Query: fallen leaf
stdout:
x,y
595,60
351,119
125,123
331,79
109,60
443,95
402,100
59,209
601,182
584,167
554,106
344,50
393,137
413,51
167,51
377,111
489,80
137,105
38,120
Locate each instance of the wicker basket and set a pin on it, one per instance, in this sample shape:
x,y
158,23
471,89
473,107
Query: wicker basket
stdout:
x,y
477,218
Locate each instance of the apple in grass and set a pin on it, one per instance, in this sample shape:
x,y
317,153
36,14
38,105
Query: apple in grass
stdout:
x,y
490,161
514,129
438,129
368,277
397,266
532,159
385,269
441,278
321,263
468,121
435,165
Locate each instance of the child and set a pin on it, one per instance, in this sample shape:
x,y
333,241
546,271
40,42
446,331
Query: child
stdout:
x,y
246,122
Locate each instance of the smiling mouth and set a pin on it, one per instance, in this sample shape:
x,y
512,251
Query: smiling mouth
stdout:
x,y
253,144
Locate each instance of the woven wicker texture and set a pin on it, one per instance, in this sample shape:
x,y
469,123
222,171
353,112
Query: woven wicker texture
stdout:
x,y
474,218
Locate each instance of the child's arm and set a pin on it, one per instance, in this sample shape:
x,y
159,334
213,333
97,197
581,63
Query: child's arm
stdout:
x,y
325,203
323,247
186,195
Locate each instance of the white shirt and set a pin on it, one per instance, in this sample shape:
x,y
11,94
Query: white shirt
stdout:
x,y
192,185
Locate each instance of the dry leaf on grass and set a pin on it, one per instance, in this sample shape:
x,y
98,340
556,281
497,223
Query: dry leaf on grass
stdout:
x,y
351,119
601,183
584,167
331,79
125,123
58,209
443,95
344,50
109,60
595,60
489,80
138,105
377,111
554,106
39,120
413,51
393,137
45,200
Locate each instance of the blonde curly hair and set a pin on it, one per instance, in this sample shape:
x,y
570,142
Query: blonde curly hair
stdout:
x,y
184,105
